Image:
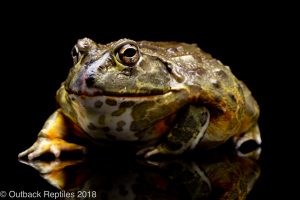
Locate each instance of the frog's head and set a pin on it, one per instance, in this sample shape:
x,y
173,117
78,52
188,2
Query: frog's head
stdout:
x,y
117,69
122,89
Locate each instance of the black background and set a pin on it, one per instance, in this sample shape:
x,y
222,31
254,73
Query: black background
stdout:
x,y
252,39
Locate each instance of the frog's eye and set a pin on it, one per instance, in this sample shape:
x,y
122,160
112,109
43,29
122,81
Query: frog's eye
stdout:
x,y
128,54
75,54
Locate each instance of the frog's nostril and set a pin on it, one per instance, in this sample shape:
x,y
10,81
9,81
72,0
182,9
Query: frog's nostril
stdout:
x,y
90,81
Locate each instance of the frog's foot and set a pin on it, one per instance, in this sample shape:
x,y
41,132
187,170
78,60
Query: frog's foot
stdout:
x,y
54,146
249,142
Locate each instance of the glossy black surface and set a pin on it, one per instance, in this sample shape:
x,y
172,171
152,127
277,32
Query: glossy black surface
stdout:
x,y
217,174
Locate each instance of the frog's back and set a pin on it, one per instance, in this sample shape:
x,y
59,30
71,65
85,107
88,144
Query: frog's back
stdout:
x,y
209,82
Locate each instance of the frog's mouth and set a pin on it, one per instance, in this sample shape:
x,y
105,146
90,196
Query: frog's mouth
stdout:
x,y
143,92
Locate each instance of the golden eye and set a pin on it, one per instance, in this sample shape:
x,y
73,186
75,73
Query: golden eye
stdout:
x,y
128,54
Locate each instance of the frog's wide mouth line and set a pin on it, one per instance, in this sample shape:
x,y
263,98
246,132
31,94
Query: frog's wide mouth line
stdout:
x,y
150,94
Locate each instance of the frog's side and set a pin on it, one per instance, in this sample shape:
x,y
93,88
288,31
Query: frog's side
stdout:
x,y
164,97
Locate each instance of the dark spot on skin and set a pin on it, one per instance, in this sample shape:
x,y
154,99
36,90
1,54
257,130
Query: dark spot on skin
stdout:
x,y
118,112
106,129
73,98
120,125
126,104
109,136
111,102
232,97
98,104
91,126
141,134
90,81
217,84
218,98
138,111
135,126
200,71
88,63
222,74
169,69
101,120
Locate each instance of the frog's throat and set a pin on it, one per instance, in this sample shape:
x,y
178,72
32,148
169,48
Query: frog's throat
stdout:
x,y
125,118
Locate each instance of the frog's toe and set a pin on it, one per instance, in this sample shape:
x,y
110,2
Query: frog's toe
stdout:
x,y
29,151
149,152
26,152
32,153
152,153
40,147
145,151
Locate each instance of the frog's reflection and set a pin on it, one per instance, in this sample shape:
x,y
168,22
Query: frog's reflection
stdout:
x,y
215,175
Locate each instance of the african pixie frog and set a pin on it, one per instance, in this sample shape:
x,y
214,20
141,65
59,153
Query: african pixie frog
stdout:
x,y
163,97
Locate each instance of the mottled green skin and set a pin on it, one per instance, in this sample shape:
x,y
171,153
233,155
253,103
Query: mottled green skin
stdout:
x,y
169,98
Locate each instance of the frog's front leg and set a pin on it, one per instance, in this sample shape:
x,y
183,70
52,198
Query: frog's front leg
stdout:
x,y
51,138
185,135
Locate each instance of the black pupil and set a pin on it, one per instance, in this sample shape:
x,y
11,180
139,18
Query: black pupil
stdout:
x,y
129,52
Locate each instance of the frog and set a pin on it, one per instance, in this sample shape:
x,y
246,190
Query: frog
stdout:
x,y
162,97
